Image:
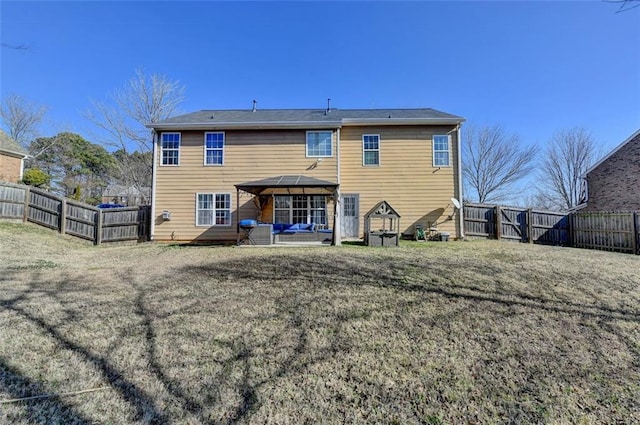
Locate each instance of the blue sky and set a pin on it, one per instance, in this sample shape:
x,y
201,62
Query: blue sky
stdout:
x,y
534,67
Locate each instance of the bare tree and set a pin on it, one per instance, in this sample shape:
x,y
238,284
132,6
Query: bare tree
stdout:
x,y
569,155
122,117
493,161
21,118
624,4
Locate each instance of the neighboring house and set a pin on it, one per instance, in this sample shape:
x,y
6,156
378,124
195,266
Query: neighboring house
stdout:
x,y
214,168
12,158
613,183
126,195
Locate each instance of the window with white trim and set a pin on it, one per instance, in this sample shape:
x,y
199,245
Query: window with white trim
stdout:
x,y
305,209
170,148
213,209
441,151
370,149
319,143
214,148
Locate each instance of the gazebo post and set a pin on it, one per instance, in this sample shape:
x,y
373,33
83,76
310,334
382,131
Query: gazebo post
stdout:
x,y
336,240
237,216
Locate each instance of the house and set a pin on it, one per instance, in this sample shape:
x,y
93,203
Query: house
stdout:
x,y
214,168
613,183
126,195
12,158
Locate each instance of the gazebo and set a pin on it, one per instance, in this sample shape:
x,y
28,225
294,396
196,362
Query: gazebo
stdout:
x,y
388,234
291,185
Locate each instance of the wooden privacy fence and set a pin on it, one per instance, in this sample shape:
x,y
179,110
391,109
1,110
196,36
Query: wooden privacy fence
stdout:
x,y
72,217
612,231
519,224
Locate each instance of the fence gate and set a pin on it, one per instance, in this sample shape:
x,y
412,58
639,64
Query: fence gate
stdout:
x,y
512,223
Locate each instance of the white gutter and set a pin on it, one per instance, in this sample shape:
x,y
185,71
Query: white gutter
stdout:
x,y
337,216
460,185
309,125
154,168
400,121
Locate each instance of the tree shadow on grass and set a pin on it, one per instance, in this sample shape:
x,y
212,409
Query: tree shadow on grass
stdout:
x,y
235,370
242,349
398,275
142,403
38,411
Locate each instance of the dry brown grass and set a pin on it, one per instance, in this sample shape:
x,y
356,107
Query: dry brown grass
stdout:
x,y
459,332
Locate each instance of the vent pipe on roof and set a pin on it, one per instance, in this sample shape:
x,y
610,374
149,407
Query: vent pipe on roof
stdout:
x,y
255,104
328,106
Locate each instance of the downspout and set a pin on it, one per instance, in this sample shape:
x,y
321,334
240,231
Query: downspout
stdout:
x,y
337,237
460,194
153,185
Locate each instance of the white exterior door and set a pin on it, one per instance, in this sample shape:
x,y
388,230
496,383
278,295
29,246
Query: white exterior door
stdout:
x,y
350,215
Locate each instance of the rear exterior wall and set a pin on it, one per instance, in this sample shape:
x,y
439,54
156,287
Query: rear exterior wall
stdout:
x,y
248,156
614,185
405,177
10,168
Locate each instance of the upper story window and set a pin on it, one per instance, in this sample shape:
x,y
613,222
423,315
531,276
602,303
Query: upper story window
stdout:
x,y
319,143
213,209
441,151
213,148
170,146
371,149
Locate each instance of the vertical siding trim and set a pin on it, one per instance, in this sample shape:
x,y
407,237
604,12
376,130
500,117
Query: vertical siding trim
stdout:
x,y
460,186
154,173
337,237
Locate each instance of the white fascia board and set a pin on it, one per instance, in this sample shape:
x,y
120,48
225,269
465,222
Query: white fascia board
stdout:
x,y
14,154
308,125
617,148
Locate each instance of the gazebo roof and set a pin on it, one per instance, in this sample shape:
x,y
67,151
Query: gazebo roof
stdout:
x,y
286,185
382,210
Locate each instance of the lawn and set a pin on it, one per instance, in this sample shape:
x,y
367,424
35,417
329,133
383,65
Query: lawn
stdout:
x,y
436,333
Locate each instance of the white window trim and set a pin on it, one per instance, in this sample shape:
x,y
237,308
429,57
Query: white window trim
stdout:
x,y
204,147
371,150
214,209
306,144
162,148
433,150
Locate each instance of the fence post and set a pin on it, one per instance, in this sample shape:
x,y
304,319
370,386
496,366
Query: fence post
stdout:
x,y
27,199
498,223
636,246
570,229
98,234
63,215
530,224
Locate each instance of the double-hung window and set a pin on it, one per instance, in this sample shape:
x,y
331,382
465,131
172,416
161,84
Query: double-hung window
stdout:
x,y
213,148
319,144
441,151
170,148
213,209
371,149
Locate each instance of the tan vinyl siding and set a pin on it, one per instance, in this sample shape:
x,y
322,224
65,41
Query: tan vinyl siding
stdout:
x,y
405,178
248,156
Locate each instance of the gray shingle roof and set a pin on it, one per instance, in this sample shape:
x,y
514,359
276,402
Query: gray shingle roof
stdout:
x,y
284,184
303,117
8,145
